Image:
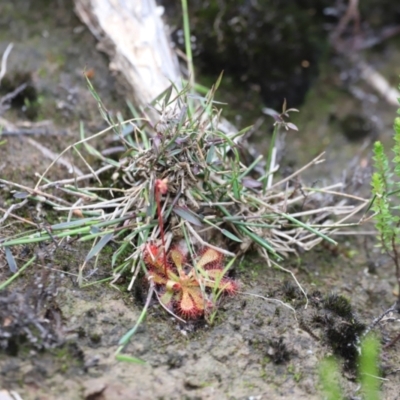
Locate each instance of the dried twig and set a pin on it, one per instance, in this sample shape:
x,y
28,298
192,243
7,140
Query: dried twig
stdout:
x,y
4,58
53,156
15,206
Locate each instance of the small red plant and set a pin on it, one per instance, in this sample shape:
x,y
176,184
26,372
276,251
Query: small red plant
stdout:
x,y
185,288
160,188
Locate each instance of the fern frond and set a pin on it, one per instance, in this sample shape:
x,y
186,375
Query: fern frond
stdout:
x,y
385,221
396,147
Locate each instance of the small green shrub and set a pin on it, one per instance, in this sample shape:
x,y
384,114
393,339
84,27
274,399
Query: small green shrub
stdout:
x,y
386,191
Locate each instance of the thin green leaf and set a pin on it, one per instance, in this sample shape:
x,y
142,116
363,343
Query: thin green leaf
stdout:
x,y
187,215
231,236
11,260
99,246
73,224
17,274
130,359
210,154
309,228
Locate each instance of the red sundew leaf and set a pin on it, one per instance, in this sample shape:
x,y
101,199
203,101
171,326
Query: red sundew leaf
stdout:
x,y
229,286
210,258
153,257
191,303
177,257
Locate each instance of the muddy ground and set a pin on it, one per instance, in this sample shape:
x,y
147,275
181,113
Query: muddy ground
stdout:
x,y
256,349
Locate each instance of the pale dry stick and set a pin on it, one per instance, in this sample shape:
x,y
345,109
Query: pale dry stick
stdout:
x,y
14,395
379,83
289,239
35,192
369,74
240,218
11,208
135,271
204,243
355,211
104,204
331,209
75,144
312,243
353,233
94,189
25,128
272,167
278,212
272,300
7,98
315,161
365,219
285,198
340,194
132,199
279,245
280,196
88,165
73,208
4,58
352,13
115,279
378,319
222,203
82,267
53,156
25,221
295,279
84,196
310,192
78,179
166,308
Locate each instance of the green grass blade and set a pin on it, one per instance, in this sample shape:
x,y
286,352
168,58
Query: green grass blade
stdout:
x,y
99,246
12,264
130,359
16,275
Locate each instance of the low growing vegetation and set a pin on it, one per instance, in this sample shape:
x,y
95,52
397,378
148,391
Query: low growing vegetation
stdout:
x,y
174,209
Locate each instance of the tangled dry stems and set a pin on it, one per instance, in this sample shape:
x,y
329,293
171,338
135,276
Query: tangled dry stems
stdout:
x,y
212,198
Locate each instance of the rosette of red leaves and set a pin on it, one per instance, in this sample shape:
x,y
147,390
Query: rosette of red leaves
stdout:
x,y
184,285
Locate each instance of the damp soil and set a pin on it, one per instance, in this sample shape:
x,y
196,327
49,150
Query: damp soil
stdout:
x,y
58,340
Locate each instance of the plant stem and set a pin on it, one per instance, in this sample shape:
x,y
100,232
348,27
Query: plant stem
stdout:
x,y
188,47
161,225
268,165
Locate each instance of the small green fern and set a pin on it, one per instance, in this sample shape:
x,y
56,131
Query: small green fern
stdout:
x,y
382,185
385,184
